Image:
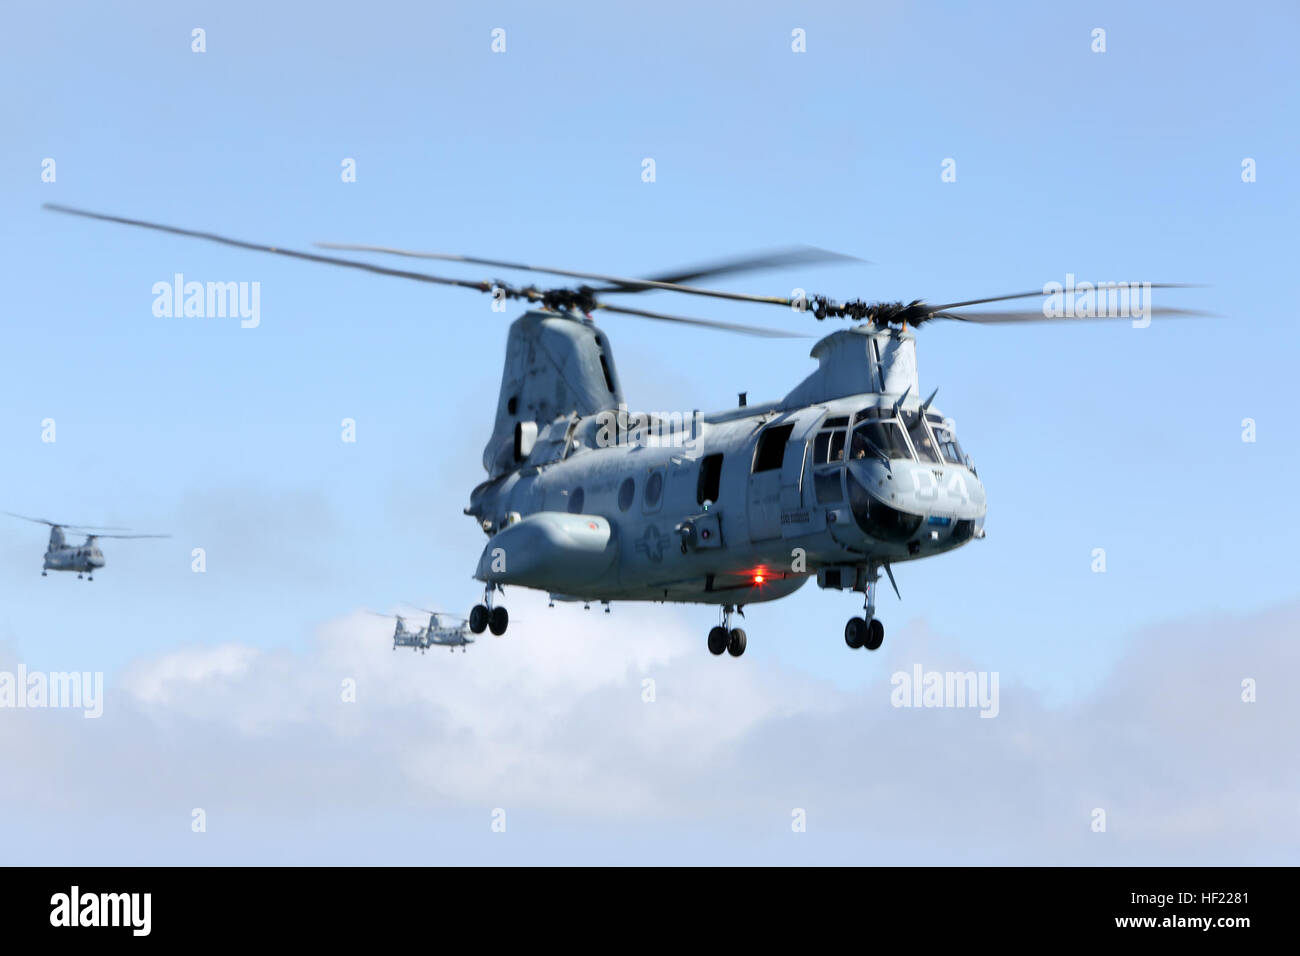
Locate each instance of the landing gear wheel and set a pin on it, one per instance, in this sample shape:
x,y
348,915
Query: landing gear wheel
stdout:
x,y
478,619
717,640
497,621
736,643
855,632
875,635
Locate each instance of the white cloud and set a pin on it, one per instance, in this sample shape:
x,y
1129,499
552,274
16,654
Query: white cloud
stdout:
x,y
549,720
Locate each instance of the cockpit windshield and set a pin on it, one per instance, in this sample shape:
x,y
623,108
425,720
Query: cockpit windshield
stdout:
x,y
881,438
920,435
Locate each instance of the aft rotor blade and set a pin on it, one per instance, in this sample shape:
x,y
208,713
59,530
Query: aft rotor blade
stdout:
x,y
703,323
1031,315
791,256
52,524
277,250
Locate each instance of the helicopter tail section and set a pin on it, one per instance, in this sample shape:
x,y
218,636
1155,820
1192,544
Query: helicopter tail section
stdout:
x,y
556,364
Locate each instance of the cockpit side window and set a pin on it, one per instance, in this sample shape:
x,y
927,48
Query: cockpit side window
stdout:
x,y
828,447
874,439
948,446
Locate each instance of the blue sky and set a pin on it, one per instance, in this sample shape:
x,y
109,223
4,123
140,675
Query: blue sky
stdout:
x,y
1124,165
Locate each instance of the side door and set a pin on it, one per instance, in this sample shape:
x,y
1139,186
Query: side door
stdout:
x,y
765,479
796,471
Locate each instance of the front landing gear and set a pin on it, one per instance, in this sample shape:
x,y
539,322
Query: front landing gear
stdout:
x,y
725,638
866,631
485,617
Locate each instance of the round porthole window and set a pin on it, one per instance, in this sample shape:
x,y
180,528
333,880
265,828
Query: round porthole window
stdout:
x,y
575,501
626,492
654,489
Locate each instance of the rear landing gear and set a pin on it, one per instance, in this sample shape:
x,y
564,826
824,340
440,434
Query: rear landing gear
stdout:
x,y
725,638
485,617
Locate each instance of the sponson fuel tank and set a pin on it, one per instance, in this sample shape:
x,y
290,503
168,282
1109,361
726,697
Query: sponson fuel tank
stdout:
x,y
549,550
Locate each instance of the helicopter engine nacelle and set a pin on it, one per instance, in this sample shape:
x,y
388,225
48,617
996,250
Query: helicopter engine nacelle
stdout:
x,y
549,550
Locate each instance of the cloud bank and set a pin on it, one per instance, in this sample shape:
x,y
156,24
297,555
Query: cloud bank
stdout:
x,y
554,725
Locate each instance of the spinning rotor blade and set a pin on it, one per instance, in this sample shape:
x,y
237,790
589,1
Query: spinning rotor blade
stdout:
x,y
129,535
704,323
1039,293
74,528
450,617
562,300
795,255
790,256
583,299
993,318
258,247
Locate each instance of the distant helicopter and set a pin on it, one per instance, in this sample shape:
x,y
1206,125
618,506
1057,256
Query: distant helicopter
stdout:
x,y
83,558
436,633
851,472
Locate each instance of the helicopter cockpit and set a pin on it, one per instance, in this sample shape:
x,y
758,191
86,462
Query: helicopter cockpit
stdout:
x,y
846,445
886,434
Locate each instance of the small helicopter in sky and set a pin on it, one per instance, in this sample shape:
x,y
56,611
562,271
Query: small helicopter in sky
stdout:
x,y
437,633
848,474
84,558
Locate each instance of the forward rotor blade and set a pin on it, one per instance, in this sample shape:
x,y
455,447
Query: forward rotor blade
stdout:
x,y
127,535
291,253
993,318
703,323
1039,293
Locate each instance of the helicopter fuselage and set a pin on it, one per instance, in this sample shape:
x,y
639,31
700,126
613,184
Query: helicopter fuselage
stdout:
x,y
740,507
74,559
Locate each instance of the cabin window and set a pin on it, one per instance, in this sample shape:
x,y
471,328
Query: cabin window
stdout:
x,y
710,481
626,493
654,489
609,375
771,448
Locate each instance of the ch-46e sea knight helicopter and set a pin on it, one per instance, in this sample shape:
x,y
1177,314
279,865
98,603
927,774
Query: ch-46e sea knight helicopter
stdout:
x,y
850,473
443,630
84,558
